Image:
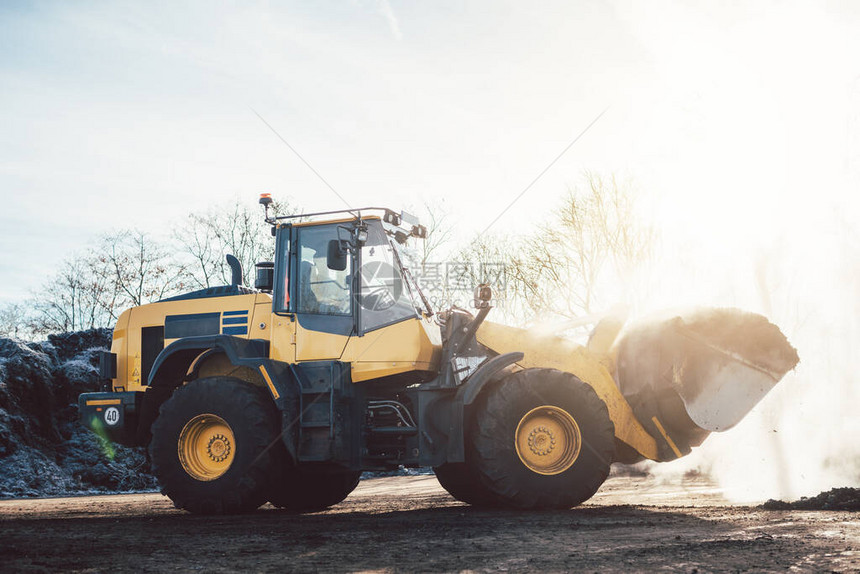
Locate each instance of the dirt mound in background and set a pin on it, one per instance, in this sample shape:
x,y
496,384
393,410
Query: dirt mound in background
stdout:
x,y
834,499
43,449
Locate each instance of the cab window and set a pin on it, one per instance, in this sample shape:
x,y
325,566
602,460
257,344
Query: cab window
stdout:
x,y
383,295
281,292
321,290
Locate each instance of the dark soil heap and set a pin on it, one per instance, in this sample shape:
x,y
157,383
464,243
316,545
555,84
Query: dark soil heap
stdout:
x,y
44,451
835,499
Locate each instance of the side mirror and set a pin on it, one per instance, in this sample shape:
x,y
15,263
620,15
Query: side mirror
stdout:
x,y
336,256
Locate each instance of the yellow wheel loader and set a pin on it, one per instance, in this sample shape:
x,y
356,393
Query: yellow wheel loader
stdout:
x,y
335,364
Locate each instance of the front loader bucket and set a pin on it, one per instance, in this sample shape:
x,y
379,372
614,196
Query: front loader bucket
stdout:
x,y
701,372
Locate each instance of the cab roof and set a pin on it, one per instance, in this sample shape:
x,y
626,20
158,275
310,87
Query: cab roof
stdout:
x,y
327,221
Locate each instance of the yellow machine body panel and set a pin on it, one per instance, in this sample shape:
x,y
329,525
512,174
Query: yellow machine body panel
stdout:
x,y
119,347
318,346
128,344
411,345
261,318
283,335
406,346
558,353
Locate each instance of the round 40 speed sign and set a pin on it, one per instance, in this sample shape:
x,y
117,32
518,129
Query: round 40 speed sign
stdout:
x,y
112,416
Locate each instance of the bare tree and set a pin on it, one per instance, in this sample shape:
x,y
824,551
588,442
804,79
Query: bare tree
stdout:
x,y
66,302
238,230
592,247
125,269
142,271
585,256
14,321
425,257
130,268
440,229
487,260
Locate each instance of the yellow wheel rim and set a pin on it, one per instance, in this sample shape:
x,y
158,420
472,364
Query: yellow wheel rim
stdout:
x,y
548,440
206,447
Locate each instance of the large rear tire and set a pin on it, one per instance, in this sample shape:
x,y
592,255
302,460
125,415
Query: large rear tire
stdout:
x,y
541,439
211,446
303,490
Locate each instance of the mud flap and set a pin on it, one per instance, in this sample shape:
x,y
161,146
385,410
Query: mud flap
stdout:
x,y
112,416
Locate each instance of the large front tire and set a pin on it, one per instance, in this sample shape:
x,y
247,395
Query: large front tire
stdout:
x,y
541,439
211,446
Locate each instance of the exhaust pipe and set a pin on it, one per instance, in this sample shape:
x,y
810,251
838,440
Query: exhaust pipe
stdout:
x,y
235,269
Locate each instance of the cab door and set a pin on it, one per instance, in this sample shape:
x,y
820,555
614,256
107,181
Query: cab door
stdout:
x,y
283,322
323,301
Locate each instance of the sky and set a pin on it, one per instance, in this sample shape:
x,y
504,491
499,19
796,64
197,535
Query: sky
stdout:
x,y
737,122
114,114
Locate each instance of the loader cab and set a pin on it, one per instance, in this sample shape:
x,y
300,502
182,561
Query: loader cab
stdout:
x,y
339,279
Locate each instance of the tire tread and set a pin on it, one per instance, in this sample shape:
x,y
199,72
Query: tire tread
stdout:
x,y
492,456
243,493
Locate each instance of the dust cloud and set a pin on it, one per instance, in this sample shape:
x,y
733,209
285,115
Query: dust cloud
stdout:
x,y
801,439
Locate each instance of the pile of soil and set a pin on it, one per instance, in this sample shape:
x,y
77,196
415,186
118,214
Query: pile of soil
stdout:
x,y
747,334
665,363
834,499
44,451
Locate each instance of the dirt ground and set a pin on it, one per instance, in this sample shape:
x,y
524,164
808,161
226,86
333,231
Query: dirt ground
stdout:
x,y
411,524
